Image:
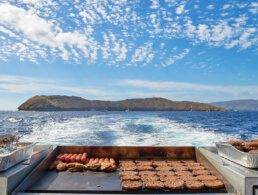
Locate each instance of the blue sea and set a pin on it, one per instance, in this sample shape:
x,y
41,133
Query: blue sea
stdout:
x,y
130,128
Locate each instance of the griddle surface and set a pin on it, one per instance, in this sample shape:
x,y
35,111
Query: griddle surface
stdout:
x,y
72,182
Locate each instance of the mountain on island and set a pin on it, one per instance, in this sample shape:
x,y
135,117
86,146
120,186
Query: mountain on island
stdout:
x,y
238,105
72,103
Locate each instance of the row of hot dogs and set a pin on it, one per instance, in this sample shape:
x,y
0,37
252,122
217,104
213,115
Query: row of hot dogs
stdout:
x,y
78,162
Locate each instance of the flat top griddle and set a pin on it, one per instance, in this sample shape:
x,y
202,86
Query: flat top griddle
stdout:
x,y
96,182
44,181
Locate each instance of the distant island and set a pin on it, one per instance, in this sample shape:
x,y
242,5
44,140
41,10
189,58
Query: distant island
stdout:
x,y
238,105
72,103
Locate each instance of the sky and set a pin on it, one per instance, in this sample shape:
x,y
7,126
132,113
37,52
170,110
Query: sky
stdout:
x,y
202,51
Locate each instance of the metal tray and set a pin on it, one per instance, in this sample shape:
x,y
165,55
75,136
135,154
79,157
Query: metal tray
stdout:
x,y
43,181
11,159
249,160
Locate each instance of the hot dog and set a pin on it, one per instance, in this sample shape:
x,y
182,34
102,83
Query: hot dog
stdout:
x,y
112,160
101,160
79,157
87,161
106,160
59,156
73,158
96,160
62,158
91,160
84,157
68,158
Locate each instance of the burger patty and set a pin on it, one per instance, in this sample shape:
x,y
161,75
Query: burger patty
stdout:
x,y
194,185
192,164
144,163
145,168
128,168
146,178
131,185
196,167
164,168
180,168
174,164
130,178
179,173
159,163
127,164
174,184
147,173
168,178
156,185
126,173
206,177
165,173
201,172
213,184
188,161
188,178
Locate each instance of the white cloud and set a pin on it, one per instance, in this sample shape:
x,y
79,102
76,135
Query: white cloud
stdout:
x,y
162,45
37,3
254,7
21,85
141,53
172,60
190,29
241,5
226,6
73,31
180,9
190,87
203,32
32,26
8,32
155,4
210,7
45,33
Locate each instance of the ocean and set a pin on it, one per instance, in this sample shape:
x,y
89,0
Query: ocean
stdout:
x,y
130,128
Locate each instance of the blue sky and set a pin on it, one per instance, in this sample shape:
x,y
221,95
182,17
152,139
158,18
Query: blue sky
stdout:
x,y
202,51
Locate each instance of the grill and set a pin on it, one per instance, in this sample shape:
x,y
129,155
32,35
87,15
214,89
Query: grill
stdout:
x,y
41,180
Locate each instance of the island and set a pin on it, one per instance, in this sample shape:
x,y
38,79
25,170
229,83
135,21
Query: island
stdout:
x,y
72,103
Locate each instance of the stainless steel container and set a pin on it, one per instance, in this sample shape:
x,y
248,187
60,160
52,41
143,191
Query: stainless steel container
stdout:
x,y
11,159
249,160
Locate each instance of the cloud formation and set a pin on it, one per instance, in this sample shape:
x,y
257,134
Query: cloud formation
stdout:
x,y
130,88
120,32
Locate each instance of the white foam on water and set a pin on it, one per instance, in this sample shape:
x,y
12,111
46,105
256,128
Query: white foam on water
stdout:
x,y
170,133
14,120
125,130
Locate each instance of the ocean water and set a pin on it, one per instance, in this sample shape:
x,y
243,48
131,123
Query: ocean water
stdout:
x,y
130,128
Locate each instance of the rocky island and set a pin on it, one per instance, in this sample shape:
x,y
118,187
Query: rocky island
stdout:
x,y
72,103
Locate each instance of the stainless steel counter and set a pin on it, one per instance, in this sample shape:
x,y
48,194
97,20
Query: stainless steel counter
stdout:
x,y
13,176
